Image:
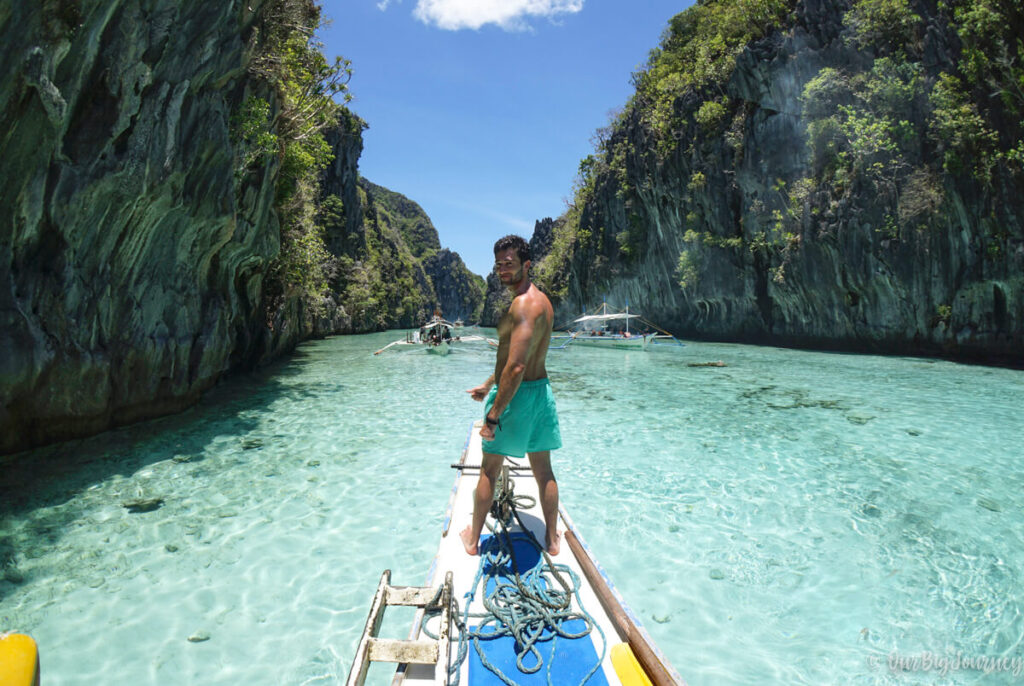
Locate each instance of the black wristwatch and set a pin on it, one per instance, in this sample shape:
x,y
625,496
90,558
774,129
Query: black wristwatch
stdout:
x,y
492,422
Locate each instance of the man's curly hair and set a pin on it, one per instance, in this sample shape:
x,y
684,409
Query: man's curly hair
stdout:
x,y
517,243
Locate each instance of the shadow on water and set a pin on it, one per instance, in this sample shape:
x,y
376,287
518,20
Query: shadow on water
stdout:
x,y
40,484
48,494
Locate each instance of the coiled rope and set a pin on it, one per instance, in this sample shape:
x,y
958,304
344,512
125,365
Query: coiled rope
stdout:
x,y
529,607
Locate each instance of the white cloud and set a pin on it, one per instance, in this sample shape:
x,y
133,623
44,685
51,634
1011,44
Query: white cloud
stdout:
x,y
510,15
383,4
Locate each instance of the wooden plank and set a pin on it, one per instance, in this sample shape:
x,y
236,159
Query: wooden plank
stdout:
x,y
416,596
361,662
443,633
397,650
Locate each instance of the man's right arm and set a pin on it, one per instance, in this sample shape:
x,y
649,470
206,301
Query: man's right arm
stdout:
x,y
481,391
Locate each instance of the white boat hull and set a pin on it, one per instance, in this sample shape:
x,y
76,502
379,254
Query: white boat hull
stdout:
x,y
631,343
442,348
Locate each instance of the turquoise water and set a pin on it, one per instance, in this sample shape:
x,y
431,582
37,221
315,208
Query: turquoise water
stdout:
x,y
792,518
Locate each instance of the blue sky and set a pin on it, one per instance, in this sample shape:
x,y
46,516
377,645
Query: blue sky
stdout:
x,y
481,110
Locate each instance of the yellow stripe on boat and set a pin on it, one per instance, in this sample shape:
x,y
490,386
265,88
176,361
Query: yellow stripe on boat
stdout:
x,y
19,660
627,668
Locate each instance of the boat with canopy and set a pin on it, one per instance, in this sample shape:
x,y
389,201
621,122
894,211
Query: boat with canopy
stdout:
x,y
607,328
437,337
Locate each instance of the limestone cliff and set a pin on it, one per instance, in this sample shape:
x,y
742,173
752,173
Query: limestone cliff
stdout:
x,y
389,268
841,177
130,256
139,230
459,292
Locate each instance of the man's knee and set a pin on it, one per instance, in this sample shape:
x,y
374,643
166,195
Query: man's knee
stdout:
x,y
540,463
491,465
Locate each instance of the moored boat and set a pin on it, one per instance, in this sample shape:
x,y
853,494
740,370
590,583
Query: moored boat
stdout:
x,y
591,637
607,328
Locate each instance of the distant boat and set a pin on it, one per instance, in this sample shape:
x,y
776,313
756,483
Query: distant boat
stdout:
x,y
436,337
607,328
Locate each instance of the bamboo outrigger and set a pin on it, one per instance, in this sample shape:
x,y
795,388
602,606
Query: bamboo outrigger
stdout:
x,y
617,651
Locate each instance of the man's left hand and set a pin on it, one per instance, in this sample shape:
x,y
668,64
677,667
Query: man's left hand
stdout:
x,y
487,432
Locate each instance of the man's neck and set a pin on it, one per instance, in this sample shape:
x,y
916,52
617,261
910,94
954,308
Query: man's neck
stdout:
x,y
520,287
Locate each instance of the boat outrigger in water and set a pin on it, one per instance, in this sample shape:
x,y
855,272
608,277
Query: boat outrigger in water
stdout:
x,y
514,614
607,328
436,337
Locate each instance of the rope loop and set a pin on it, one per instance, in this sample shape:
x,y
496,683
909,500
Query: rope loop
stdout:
x,y
532,607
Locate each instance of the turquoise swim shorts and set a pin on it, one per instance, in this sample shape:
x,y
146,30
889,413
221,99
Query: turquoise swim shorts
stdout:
x,y
529,424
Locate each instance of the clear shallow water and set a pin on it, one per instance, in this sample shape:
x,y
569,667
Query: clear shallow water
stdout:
x,y
792,518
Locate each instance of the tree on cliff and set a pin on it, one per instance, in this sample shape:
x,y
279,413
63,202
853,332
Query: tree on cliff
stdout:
x,y
289,57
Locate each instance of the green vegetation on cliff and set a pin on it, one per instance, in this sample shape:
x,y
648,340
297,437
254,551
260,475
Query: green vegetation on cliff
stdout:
x,y
698,55
289,57
793,169
394,273
452,287
378,281
408,218
363,263
906,129
696,58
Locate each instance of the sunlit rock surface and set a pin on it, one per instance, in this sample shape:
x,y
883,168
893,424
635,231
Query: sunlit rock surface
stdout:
x,y
131,259
951,283
135,243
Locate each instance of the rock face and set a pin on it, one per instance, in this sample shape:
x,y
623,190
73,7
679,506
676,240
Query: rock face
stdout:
x,y
390,270
130,257
740,233
135,243
496,301
459,292
540,240
408,218
342,206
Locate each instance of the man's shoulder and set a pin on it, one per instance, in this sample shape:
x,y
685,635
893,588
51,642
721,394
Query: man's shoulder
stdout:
x,y
530,300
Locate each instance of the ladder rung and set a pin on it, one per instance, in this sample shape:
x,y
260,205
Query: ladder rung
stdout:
x,y
416,596
412,652
373,649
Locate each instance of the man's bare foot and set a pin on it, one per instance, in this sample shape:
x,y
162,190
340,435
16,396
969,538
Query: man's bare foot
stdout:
x,y
554,545
468,542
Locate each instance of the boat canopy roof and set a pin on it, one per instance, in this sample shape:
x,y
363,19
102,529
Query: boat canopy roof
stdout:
x,y
437,322
598,318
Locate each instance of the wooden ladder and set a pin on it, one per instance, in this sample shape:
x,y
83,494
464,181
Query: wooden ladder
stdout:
x,y
422,652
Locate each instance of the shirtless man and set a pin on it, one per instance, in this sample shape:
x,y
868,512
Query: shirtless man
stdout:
x,y
519,412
